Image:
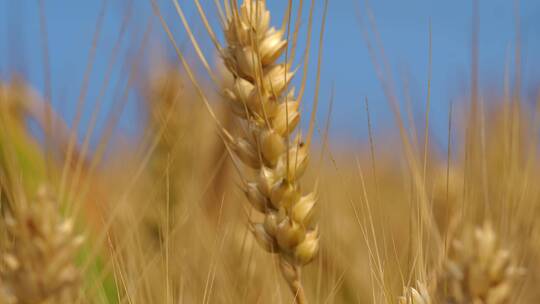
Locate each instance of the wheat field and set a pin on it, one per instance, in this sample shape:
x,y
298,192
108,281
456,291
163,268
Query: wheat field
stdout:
x,y
231,188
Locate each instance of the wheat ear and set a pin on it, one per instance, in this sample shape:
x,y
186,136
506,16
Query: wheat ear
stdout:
x,y
263,99
478,270
415,295
37,266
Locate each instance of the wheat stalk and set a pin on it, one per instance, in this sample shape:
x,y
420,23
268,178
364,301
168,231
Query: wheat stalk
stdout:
x,y
263,99
478,270
37,267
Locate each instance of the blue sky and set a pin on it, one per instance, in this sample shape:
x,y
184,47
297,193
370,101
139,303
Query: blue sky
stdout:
x,y
403,27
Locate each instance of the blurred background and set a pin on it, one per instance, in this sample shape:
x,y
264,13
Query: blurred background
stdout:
x,y
403,29
146,173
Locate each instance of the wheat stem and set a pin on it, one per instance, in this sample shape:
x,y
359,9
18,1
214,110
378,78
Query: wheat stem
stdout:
x,y
298,288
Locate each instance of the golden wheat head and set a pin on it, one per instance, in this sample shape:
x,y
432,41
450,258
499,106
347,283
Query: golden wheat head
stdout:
x,y
418,295
479,270
38,267
264,101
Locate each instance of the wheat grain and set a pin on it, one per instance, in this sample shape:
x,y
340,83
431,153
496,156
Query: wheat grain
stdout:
x,y
263,99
